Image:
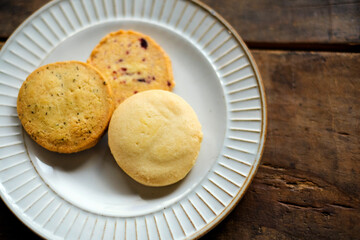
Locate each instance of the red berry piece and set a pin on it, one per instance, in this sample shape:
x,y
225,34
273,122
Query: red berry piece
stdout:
x,y
143,43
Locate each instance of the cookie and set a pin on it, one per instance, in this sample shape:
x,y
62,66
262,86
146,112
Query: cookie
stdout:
x,y
65,106
132,62
155,137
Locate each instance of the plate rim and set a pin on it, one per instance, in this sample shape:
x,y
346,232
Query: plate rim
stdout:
x,y
230,207
263,134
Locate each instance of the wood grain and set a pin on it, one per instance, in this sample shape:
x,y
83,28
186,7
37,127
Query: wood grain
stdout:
x,y
299,21
308,184
314,101
258,22
310,173
13,13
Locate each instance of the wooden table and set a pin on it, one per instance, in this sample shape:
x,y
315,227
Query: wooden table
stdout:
x,y
307,186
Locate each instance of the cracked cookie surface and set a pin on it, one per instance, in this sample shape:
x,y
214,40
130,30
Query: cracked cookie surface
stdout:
x,y
155,137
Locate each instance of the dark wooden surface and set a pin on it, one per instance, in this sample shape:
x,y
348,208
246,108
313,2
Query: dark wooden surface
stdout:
x,y
296,21
308,185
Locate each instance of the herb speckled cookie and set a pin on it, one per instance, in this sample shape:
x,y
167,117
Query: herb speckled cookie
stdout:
x,y
132,62
65,106
155,137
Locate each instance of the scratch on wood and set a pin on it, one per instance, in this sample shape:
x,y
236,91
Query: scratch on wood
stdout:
x,y
338,205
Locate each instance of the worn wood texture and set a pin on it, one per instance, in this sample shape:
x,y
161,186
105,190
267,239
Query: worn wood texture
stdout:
x,y
13,13
308,184
299,21
259,21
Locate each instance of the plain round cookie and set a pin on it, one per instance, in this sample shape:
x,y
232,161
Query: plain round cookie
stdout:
x,y
65,106
132,62
155,137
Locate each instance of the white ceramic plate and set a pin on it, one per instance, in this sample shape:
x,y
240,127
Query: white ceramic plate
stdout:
x,y
86,195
